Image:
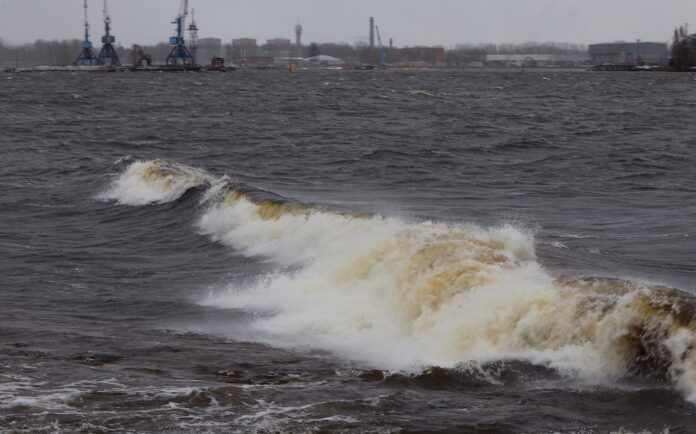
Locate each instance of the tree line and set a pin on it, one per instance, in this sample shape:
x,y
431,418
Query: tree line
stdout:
x,y
39,52
683,49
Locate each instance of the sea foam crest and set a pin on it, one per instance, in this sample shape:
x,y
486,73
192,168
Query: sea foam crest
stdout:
x,y
155,181
398,294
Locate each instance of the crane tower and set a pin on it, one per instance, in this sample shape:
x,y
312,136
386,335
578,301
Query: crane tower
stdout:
x,y
108,53
382,53
179,52
193,35
86,57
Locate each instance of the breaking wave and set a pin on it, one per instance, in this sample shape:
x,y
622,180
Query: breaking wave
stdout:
x,y
157,181
399,294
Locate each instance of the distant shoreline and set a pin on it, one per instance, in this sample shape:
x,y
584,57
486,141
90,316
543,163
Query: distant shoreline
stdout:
x,y
123,69
203,69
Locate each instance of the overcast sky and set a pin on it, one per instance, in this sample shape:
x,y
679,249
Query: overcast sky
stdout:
x,y
409,22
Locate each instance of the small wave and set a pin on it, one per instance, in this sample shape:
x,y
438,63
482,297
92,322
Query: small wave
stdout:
x,y
154,182
21,393
419,92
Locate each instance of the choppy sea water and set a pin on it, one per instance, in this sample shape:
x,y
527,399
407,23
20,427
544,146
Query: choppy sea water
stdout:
x,y
348,251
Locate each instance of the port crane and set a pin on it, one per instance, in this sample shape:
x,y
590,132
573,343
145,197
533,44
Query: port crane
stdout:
x,y
86,57
382,52
193,35
108,52
179,52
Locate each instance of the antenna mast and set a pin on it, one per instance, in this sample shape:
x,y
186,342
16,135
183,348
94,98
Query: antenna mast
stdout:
x,y
86,23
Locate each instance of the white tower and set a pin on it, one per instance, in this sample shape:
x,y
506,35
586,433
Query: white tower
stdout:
x,y
193,35
298,35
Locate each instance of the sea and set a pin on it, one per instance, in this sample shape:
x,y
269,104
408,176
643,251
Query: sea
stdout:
x,y
388,251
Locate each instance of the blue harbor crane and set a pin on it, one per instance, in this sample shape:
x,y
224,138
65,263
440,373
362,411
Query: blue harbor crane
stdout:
x,y
180,53
108,53
86,57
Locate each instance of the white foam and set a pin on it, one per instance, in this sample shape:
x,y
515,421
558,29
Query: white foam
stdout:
x,y
150,182
400,295
349,297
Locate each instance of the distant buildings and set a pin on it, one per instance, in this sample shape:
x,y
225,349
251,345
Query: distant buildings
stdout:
x,y
279,44
207,48
537,60
629,53
246,52
439,54
244,43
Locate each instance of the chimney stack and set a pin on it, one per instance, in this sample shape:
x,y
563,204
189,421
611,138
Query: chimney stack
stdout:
x,y
372,32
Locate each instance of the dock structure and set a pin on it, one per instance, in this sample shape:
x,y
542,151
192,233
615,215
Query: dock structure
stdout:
x,y
181,58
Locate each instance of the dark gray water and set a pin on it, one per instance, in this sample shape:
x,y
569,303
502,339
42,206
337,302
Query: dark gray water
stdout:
x,y
129,303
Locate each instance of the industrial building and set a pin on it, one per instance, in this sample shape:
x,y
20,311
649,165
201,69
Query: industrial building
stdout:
x,y
629,53
537,60
279,43
207,48
244,43
246,52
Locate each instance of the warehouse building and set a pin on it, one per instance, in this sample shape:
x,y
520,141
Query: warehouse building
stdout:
x,y
537,60
246,52
207,48
629,53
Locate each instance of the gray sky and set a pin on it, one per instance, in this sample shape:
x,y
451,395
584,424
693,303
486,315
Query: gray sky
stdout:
x,y
409,22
